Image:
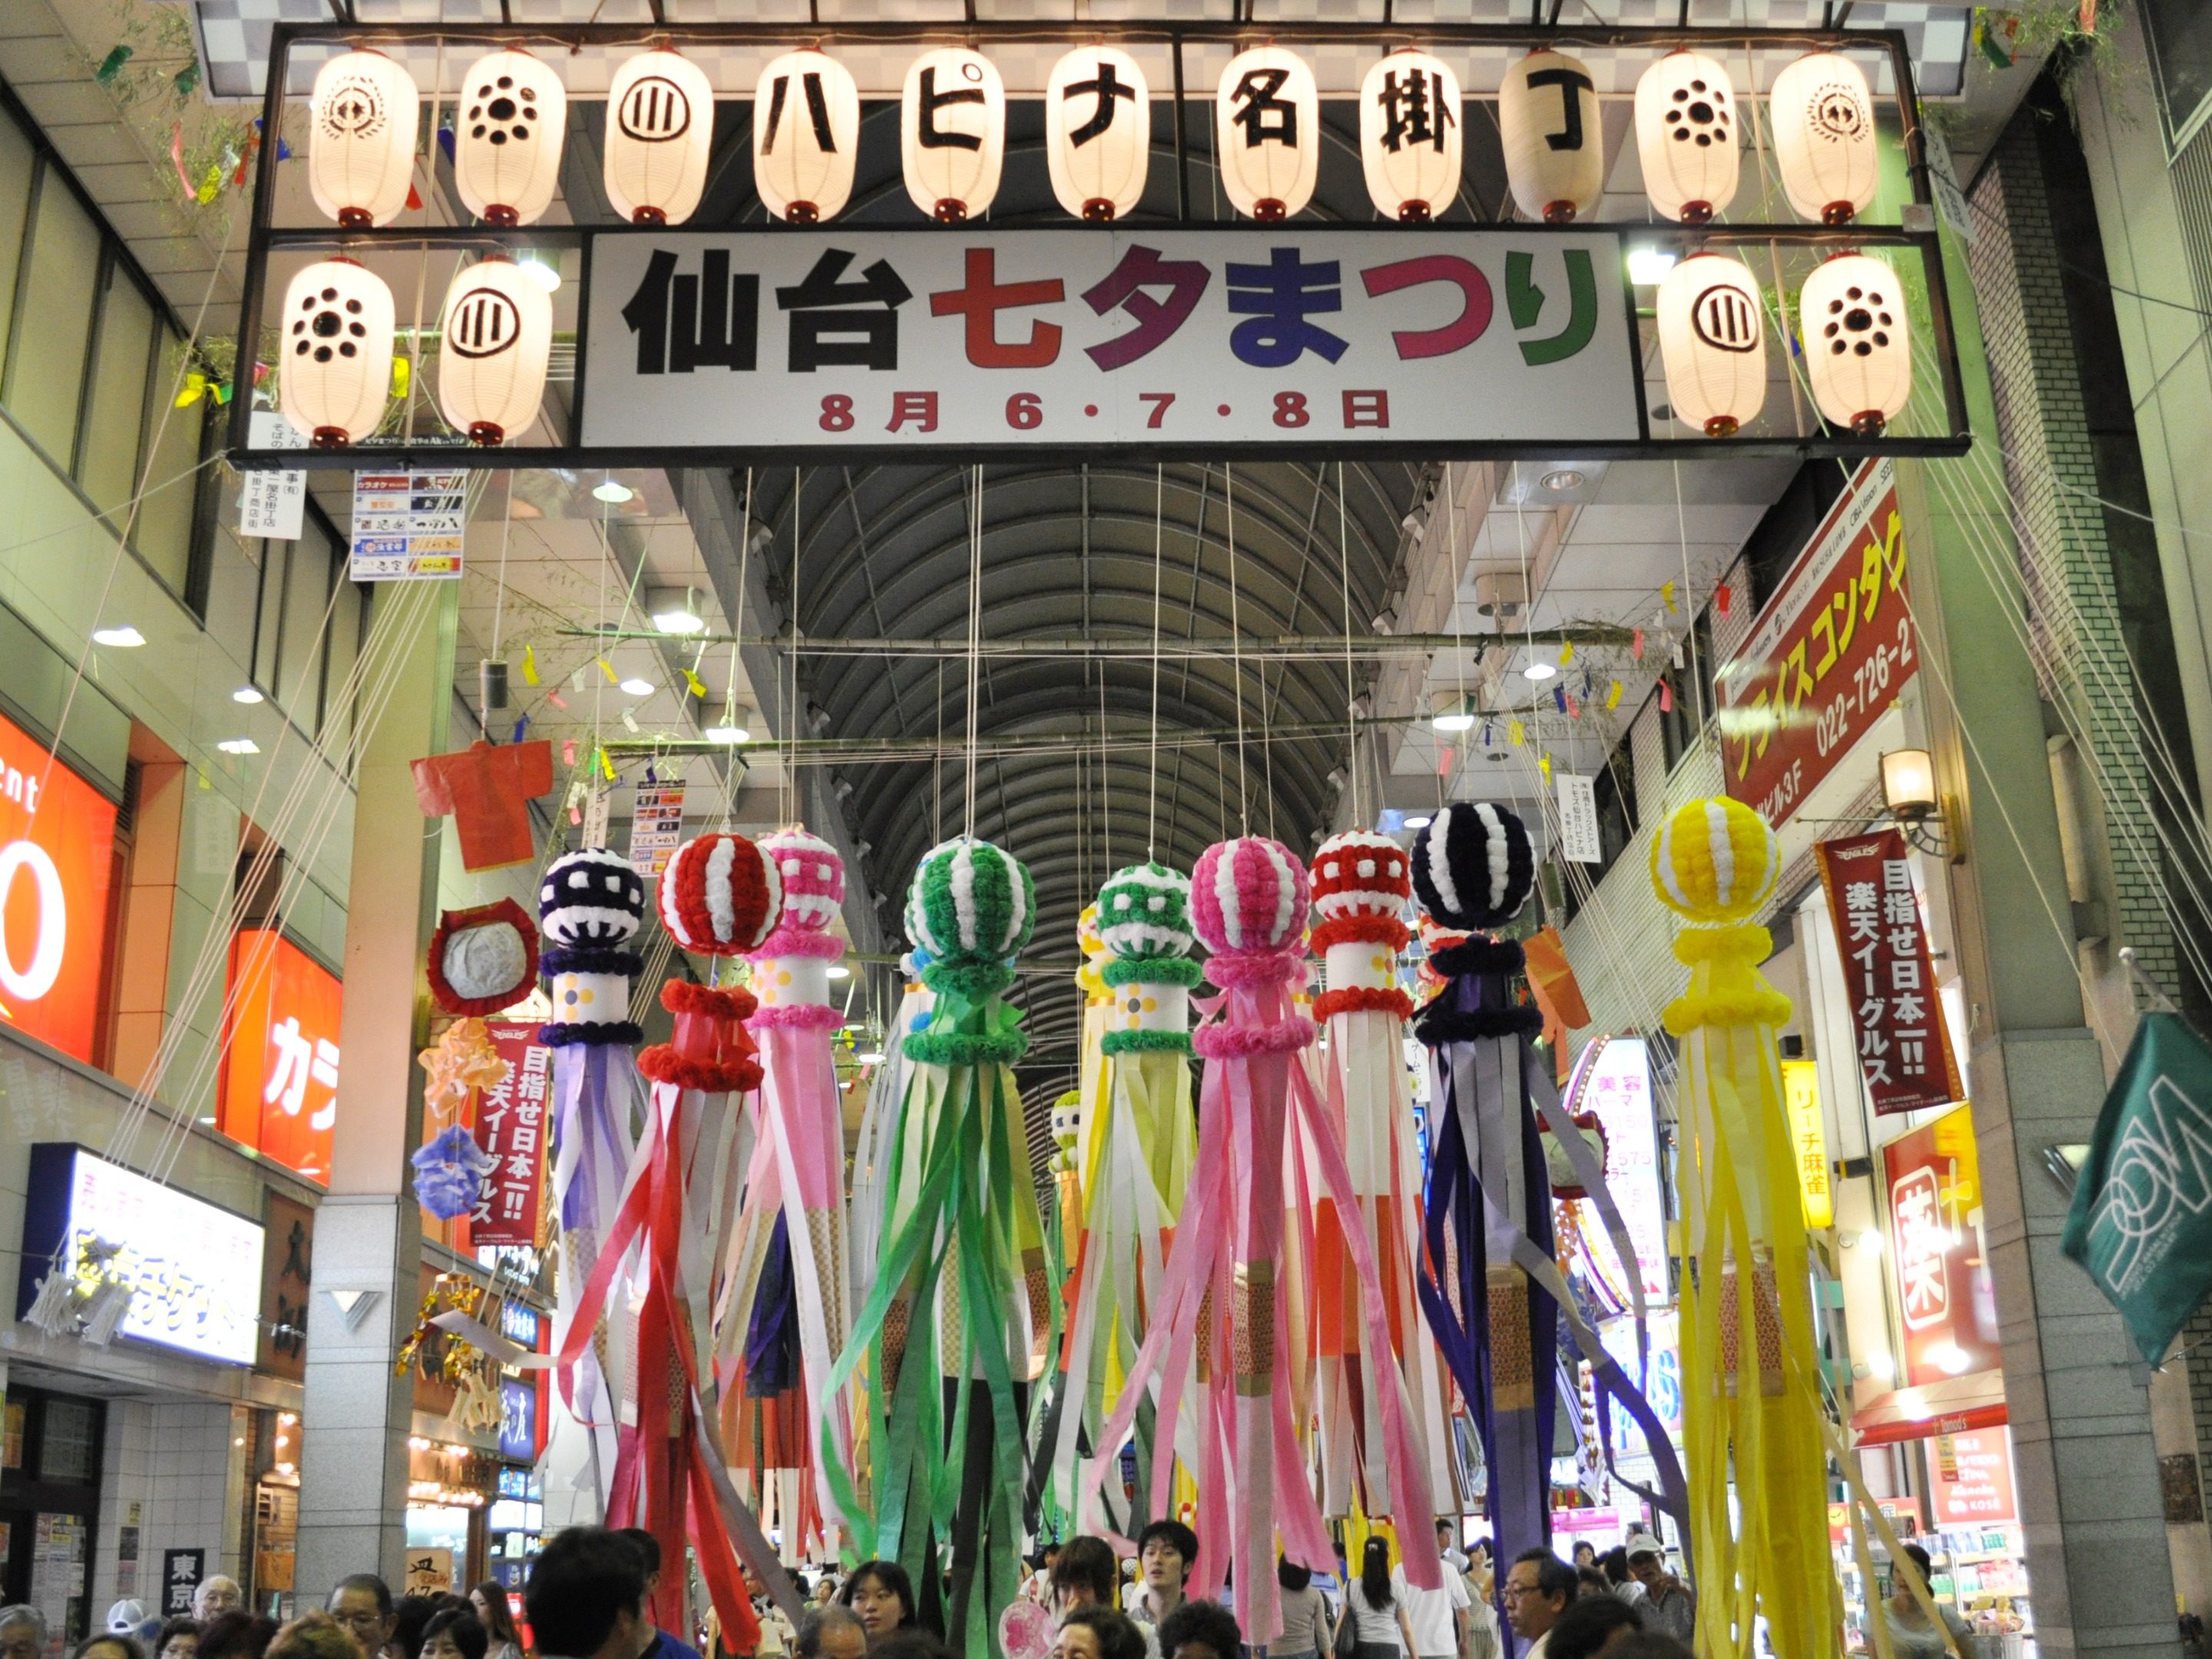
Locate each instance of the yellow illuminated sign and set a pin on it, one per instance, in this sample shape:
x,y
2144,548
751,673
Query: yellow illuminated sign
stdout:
x,y
1801,1095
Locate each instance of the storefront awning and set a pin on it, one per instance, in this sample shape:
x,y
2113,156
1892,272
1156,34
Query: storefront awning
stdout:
x,y
1954,1405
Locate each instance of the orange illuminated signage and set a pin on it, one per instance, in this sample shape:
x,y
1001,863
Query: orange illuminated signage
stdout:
x,y
280,1081
56,848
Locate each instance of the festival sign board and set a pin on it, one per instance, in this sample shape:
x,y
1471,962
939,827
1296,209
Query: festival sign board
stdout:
x,y
1208,340
1904,1051
1826,655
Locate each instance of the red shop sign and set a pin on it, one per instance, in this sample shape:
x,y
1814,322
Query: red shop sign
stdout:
x,y
1947,1300
280,1079
1826,656
57,845
513,1127
1970,1479
1905,1051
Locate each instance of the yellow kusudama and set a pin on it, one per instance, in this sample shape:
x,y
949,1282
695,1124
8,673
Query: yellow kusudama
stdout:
x,y
1751,1388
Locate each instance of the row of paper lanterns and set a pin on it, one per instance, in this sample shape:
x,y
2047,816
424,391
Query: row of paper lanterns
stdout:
x,y
512,113
496,336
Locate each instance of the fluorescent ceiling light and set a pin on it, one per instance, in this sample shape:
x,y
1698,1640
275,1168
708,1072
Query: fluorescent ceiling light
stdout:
x,y
873,1057
1538,671
1647,266
548,276
1417,821
677,622
239,746
839,970
728,734
635,687
1461,721
611,491
123,636
246,694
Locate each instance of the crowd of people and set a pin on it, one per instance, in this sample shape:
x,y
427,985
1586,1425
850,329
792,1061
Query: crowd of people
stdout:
x,y
591,1592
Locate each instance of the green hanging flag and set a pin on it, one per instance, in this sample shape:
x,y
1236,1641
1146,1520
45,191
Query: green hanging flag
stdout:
x,y
2141,1219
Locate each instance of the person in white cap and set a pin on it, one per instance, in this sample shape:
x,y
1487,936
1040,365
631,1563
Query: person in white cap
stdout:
x,y
1669,1605
124,1617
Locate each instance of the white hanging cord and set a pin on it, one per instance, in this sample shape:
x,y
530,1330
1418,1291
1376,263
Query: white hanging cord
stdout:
x,y
1689,605
1528,618
975,634
1105,793
1459,646
1159,510
1236,647
499,602
732,768
1350,696
787,783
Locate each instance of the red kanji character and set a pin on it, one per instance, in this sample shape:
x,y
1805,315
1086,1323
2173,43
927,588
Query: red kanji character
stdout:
x,y
982,302
1142,268
1366,408
1463,330
920,407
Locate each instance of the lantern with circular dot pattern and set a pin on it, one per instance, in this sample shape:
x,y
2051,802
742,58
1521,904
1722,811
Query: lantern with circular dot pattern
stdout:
x,y
1687,137
508,124
363,118
1144,911
807,128
1822,115
1549,120
495,337
952,133
661,132
1266,132
336,332
1858,343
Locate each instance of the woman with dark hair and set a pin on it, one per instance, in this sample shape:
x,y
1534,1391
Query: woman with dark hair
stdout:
x,y
881,1596
236,1636
496,1615
1086,1574
455,1633
1378,1623
1305,1614
109,1644
1910,1634
179,1639
1614,1562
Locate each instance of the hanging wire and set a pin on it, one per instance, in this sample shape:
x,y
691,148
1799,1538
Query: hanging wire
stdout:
x,y
975,635
1350,696
787,784
1159,509
1236,647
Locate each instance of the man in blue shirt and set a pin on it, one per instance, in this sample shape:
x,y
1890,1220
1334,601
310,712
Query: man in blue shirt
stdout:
x,y
660,1644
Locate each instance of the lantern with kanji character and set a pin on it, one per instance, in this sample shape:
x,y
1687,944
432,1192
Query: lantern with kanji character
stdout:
x,y
1266,127
1713,339
660,127
1409,136
952,132
1858,346
1686,136
806,127
1097,132
495,337
1547,115
362,118
507,130
1824,139
336,329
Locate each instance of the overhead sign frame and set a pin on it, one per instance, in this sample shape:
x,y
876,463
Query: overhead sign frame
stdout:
x,y
1916,235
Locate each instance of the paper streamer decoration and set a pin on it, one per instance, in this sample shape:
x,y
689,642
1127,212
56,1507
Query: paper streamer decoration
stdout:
x,y
958,1307
1751,1388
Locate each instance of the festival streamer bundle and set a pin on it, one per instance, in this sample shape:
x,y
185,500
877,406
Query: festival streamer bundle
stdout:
x,y
958,1309
1361,886
1137,1158
1223,1321
1752,1417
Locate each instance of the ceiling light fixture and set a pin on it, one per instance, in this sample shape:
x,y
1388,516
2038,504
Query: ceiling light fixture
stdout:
x,y
239,746
123,637
635,687
1417,821
839,970
1538,671
1648,265
679,621
1563,480
246,694
1456,720
548,276
728,734
873,1057
613,493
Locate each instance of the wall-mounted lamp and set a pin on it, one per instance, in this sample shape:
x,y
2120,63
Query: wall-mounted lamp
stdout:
x,y
1908,791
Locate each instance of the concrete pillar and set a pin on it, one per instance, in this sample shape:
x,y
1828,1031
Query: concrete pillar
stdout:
x,y
2086,1470
368,1233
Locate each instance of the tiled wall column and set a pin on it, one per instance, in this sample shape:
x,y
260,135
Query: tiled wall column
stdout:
x,y
368,1233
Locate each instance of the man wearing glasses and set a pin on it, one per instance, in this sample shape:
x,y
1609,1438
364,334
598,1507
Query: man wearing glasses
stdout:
x,y
362,1603
1537,1591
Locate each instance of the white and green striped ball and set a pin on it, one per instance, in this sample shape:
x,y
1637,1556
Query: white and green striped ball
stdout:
x,y
971,901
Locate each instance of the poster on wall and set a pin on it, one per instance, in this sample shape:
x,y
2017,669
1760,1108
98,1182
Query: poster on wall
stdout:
x,y
1945,1299
1826,655
1613,1080
1905,1051
511,1128
57,852
1970,1479
656,825
280,1081
981,338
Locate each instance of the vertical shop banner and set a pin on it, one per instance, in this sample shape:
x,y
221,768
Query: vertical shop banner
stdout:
x,y
511,1127
288,1264
181,1573
1946,1298
1826,656
408,526
271,501
1905,1048
1579,841
280,1081
1614,1081
656,826
1970,1479
1809,1139
57,849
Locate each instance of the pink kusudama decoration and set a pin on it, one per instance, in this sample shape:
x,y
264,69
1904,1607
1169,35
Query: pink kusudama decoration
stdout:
x,y
1249,897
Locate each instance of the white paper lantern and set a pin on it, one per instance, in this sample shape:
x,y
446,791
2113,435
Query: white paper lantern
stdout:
x,y
1267,130
1097,132
1687,137
1409,136
1824,139
362,118
1712,338
495,336
952,132
807,128
660,128
1858,344
1555,137
335,359
509,121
